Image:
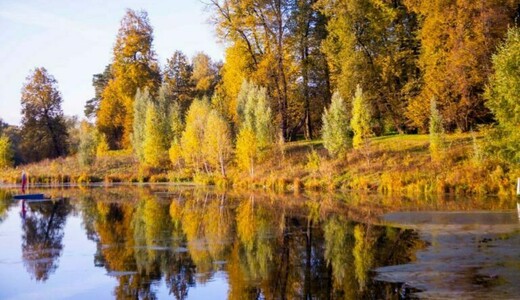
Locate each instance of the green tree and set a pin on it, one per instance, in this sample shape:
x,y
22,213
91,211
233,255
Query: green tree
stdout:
x,y
502,96
335,130
154,143
361,118
44,133
87,144
134,67
142,99
374,43
217,146
99,82
436,133
6,152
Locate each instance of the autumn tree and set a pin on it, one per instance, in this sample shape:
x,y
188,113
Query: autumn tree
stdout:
x,y
154,143
177,77
6,152
134,66
361,119
457,40
260,32
373,43
44,134
205,75
502,96
142,99
336,130
193,135
217,145
247,150
436,133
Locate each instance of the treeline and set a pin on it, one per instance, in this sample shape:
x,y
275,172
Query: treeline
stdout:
x,y
284,60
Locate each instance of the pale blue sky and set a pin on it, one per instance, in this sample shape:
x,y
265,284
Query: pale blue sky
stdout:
x,y
73,40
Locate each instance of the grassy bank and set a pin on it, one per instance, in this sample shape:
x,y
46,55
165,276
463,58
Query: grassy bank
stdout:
x,y
392,165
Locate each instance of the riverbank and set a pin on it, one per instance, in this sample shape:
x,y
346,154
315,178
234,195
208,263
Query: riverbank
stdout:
x,y
392,165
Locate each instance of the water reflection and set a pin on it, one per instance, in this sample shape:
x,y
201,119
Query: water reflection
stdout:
x,y
267,249
264,247
42,236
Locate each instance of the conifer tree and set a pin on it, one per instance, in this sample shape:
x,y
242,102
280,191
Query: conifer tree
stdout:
x,y
335,130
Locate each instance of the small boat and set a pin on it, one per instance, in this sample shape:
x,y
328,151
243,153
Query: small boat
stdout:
x,y
30,197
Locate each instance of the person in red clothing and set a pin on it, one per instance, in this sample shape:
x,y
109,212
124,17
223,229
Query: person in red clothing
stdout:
x,y
24,182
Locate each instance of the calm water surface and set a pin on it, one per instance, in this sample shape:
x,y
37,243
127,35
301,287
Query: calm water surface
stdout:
x,y
160,242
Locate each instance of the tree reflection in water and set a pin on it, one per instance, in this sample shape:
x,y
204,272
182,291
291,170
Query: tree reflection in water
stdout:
x,y
267,247
42,236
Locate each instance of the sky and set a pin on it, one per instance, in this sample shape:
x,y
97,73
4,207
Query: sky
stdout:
x,y
73,40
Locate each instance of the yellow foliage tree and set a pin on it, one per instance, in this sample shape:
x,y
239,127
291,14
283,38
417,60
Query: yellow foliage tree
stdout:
x,y
217,147
134,67
193,135
247,153
154,148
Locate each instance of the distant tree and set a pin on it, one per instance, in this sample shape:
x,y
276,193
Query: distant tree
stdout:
x,y
436,132
134,67
154,147
335,130
6,152
99,82
87,144
502,96
142,99
178,74
205,75
361,119
44,133
73,131
217,146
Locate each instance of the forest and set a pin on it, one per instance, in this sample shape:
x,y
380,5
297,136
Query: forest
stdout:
x,y
389,95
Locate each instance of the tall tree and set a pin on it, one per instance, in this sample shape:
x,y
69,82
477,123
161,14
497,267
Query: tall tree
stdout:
x,y
361,119
134,66
502,97
44,134
373,43
154,147
457,40
205,75
260,30
178,79
142,99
